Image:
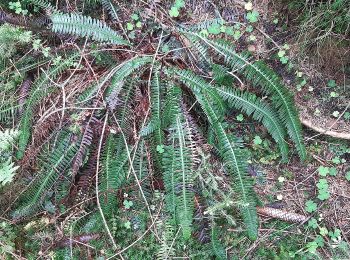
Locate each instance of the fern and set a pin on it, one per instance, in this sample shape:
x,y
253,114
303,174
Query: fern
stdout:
x,y
7,138
123,71
217,247
7,171
178,178
261,75
229,148
166,250
58,162
84,26
111,8
44,5
259,110
112,176
40,90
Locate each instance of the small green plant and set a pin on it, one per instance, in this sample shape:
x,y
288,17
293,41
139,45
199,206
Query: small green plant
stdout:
x,y
253,16
310,206
347,176
7,167
17,7
257,140
240,117
323,192
323,171
336,113
175,9
282,54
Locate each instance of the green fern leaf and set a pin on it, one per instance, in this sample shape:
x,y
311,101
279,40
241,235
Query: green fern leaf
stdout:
x,y
229,148
85,26
259,110
178,178
112,176
261,75
57,163
121,72
40,89
111,8
217,247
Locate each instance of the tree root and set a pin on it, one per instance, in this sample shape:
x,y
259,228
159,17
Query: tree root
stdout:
x,y
340,135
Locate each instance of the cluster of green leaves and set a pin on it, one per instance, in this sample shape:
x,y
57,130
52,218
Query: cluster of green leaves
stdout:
x,y
175,9
164,146
7,166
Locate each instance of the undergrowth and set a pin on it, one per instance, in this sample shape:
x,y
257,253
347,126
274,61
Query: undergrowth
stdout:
x,y
125,146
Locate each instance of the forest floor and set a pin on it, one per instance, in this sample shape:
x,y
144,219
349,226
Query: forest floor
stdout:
x,y
319,77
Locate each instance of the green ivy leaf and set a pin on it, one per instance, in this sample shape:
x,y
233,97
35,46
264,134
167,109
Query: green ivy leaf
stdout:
x,y
347,176
334,235
281,53
249,28
127,225
312,247
333,171
322,184
336,160
334,94
320,241
347,115
312,223
323,231
237,35
138,24
179,3
335,113
284,60
323,195
331,83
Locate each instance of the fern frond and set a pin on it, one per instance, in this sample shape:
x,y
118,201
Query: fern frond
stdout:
x,y
217,247
229,147
84,145
171,105
40,89
85,26
156,107
7,171
111,8
57,163
234,157
259,110
44,5
261,75
112,176
178,178
203,25
166,250
198,84
7,138
124,70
